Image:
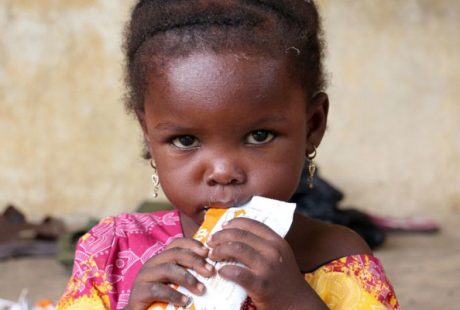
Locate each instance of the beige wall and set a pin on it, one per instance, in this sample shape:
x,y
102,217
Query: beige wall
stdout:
x,y
394,135
68,149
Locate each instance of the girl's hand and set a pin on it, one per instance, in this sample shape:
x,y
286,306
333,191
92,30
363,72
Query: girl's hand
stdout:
x,y
152,283
271,276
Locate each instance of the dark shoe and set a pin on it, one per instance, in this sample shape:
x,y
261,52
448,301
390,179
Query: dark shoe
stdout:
x,y
18,237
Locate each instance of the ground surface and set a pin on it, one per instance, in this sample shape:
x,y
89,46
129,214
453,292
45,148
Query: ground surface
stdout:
x,y
424,269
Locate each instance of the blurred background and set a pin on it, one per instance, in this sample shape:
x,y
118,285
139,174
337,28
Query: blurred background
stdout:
x,y
68,149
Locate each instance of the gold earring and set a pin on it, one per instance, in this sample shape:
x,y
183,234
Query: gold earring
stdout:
x,y
311,168
155,180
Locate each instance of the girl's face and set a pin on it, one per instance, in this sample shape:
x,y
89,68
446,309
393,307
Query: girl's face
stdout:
x,y
224,127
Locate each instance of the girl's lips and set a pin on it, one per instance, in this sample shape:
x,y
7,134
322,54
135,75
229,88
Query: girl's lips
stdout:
x,y
225,204
218,206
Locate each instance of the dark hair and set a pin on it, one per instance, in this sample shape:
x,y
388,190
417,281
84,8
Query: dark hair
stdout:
x,y
160,29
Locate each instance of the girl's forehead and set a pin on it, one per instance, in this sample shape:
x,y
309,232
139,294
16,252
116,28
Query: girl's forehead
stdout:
x,y
207,71
212,62
222,83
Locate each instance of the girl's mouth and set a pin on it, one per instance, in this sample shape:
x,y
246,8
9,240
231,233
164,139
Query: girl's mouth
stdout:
x,y
225,204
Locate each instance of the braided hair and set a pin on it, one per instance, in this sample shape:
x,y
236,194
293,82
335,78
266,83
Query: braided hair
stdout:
x,y
160,29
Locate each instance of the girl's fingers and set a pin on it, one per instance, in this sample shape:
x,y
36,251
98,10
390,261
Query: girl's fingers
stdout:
x,y
234,233
180,256
172,273
191,244
240,241
190,254
240,252
240,275
255,227
154,280
230,234
159,292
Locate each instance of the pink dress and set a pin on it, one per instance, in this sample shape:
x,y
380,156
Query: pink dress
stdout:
x,y
110,255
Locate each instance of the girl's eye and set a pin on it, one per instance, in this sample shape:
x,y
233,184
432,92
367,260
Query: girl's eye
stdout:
x,y
260,137
185,142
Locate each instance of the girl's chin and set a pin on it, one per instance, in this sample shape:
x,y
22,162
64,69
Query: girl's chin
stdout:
x,y
191,223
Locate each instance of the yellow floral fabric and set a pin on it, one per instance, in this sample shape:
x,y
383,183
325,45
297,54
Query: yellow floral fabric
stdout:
x,y
95,298
353,282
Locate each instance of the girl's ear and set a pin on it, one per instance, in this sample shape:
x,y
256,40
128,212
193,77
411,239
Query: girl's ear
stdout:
x,y
316,121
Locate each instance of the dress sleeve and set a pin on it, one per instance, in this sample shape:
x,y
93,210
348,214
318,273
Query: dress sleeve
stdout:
x,y
89,286
353,282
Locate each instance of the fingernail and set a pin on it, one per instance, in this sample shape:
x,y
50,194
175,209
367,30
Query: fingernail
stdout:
x,y
186,301
210,252
209,239
200,287
208,267
225,224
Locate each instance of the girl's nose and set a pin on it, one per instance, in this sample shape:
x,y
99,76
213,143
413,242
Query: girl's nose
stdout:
x,y
224,173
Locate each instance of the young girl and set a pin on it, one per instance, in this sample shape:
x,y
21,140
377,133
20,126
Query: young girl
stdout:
x,y
229,98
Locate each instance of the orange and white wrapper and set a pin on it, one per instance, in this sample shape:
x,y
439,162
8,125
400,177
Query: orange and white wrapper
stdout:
x,y
222,294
